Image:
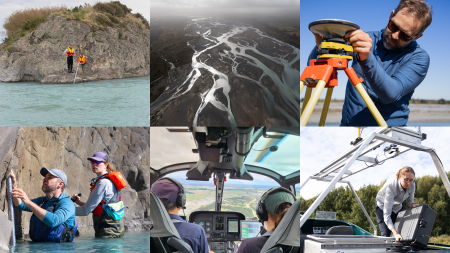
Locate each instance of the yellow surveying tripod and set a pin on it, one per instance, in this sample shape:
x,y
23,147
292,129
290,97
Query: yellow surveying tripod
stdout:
x,y
322,73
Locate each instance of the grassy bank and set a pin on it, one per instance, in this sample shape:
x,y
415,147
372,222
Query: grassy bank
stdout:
x,y
99,16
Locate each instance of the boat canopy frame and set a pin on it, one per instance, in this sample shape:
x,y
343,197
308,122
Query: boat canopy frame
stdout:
x,y
401,139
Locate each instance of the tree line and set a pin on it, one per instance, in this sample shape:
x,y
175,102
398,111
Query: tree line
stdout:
x,y
429,190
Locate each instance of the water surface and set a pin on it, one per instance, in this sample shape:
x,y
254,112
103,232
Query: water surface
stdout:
x,y
118,102
131,242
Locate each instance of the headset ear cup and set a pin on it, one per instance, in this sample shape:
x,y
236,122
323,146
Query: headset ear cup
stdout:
x,y
182,197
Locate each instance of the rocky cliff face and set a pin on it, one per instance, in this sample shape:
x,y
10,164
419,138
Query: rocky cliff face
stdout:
x,y
66,148
38,56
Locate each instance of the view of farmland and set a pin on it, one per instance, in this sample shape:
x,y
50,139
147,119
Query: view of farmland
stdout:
x,y
237,198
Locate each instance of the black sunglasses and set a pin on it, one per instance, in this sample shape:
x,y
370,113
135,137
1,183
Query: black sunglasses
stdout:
x,y
402,35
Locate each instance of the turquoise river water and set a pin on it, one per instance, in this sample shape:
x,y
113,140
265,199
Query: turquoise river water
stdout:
x,y
85,243
118,102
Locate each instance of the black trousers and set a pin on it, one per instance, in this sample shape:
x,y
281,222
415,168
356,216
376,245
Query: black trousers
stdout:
x,y
70,62
385,231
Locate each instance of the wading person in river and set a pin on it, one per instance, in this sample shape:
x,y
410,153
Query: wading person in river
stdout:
x,y
104,202
390,198
53,218
69,52
82,61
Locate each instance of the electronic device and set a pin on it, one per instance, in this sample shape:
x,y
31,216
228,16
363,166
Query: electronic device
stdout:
x,y
332,28
415,224
249,229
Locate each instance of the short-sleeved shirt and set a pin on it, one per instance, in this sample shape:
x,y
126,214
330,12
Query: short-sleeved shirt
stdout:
x,y
391,197
252,245
64,211
192,234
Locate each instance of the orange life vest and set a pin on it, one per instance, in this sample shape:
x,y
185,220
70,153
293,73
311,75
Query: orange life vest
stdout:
x,y
70,53
117,180
82,60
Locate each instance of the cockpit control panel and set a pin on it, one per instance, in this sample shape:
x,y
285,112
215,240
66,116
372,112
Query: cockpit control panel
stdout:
x,y
220,227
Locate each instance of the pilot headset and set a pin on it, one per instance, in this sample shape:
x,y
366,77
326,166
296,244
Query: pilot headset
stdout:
x,y
261,210
181,198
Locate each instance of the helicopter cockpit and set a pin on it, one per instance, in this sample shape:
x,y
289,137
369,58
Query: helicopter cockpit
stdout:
x,y
237,165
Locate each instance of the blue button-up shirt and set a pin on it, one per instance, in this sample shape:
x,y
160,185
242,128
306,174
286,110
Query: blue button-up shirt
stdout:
x,y
192,234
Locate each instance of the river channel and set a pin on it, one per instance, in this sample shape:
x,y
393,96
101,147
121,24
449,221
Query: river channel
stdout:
x,y
238,76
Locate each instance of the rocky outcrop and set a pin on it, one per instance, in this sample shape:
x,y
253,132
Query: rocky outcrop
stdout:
x,y
67,148
5,232
38,56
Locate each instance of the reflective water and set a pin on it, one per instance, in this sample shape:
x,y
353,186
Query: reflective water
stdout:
x,y
131,242
118,102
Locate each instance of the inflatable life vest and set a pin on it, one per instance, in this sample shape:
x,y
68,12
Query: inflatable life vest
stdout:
x,y
118,181
82,60
40,232
70,53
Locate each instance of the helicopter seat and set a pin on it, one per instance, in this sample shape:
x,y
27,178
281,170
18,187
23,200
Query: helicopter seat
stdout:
x,y
164,237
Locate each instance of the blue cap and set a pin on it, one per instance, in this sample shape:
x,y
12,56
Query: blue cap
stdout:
x,y
55,172
166,189
99,156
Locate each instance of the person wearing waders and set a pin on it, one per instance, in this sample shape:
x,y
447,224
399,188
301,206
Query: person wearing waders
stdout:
x,y
69,52
53,218
82,61
104,201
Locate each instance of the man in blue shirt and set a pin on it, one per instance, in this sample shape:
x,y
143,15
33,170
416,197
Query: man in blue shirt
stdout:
x,y
391,63
53,218
194,235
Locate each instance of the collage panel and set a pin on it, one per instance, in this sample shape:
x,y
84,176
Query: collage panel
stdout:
x,y
379,67
53,178
224,64
74,126
374,189
94,60
221,189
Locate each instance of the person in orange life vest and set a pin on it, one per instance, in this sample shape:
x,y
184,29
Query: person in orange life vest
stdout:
x,y
102,191
69,52
82,61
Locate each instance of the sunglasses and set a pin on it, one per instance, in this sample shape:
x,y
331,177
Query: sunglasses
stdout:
x,y
402,35
96,162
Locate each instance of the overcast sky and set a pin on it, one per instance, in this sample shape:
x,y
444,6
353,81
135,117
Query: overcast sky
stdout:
x,y
320,145
9,6
211,7
170,148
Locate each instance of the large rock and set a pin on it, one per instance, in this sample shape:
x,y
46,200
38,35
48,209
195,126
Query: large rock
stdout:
x,y
5,232
38,56
67,148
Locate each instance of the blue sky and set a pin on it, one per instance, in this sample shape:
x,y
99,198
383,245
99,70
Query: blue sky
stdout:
x,y
320,145
374,16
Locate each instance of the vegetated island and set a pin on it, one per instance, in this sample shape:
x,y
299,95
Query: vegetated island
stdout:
x,y
116,43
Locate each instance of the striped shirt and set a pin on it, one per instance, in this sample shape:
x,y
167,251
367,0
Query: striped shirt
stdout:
x,y
391,197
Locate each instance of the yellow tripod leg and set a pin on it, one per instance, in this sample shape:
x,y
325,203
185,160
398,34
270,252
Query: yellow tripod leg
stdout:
x,y
307,111
376,114
306,99
302,84
326,105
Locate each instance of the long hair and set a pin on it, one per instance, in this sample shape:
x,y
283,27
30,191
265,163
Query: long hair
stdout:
x,y
109,167
403,171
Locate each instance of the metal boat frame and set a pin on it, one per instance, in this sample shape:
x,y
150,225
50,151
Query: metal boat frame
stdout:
x,y
339,168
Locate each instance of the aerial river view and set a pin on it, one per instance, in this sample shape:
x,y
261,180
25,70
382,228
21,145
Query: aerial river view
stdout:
x,y
238,76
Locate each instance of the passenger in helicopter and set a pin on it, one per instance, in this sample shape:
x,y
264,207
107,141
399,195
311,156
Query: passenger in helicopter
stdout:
x,y
172,195
270,209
